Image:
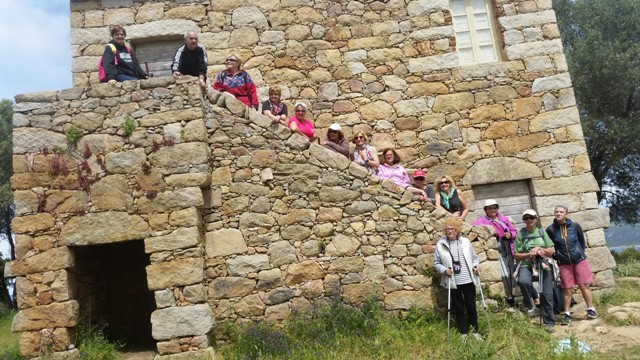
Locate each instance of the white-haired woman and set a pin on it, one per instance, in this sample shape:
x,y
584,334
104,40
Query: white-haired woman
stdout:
x,y
298,123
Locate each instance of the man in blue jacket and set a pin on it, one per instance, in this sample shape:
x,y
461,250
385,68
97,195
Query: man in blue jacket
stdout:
x,y
568,239
191,59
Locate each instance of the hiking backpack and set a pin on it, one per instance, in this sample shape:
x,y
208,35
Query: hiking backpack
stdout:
x,y
102,75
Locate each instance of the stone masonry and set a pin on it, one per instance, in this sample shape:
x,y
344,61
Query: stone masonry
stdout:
x,y
241,219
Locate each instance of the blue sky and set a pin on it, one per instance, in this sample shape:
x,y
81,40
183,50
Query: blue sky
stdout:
x,y
34,38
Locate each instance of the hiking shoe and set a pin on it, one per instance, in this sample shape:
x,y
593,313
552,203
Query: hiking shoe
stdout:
x,y
566,319
591,314
478,337
550,329
529,311
511,302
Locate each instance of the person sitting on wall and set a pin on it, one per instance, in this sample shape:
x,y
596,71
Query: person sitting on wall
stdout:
x,y
390,169
274,108
237,82
191,59
506,234
364,154
122,64
336,140
449,198
458,263
420,188
300,124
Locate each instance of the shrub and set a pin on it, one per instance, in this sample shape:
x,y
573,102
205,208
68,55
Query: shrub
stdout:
x,y
128,125
94,345
73,135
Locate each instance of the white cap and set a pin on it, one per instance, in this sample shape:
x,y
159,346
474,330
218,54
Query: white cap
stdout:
x,y
490,202
530,212
335,127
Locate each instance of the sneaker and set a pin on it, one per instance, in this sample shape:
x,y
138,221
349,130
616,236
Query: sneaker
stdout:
x,y
591,314
464,337
528,311
550,329
566,319
478,337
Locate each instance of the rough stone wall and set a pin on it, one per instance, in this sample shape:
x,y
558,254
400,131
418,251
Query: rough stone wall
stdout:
x,y
256,222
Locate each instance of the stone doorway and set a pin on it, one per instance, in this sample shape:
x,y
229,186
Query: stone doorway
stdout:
x,y
110,284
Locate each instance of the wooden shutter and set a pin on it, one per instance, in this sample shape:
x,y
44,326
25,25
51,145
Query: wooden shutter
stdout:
x,y
157,55
513,197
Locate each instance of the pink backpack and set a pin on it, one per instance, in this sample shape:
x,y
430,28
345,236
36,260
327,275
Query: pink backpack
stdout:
x,y
102,75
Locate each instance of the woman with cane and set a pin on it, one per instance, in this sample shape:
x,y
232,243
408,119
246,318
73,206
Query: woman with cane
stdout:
x,y
533,249
459,266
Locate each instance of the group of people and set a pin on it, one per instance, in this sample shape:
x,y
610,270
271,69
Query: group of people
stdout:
x,y
521,252
557,253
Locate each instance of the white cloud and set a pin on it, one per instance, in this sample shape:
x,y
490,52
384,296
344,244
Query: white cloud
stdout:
x,y
35,43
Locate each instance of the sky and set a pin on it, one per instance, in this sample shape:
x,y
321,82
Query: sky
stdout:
x,y
35,38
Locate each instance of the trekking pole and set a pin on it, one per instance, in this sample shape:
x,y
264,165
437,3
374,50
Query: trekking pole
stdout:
x,y
540,284
449,310
484,304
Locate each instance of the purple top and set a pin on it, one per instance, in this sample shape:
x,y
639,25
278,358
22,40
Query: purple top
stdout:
x,y
502,225
395,173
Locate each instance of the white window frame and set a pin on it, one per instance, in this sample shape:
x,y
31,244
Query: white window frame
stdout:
x,y
478,36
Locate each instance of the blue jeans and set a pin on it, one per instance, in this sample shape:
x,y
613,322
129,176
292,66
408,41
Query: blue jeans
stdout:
x,y
121,78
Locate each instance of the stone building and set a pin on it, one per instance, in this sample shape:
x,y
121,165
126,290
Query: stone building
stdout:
x,y
177,209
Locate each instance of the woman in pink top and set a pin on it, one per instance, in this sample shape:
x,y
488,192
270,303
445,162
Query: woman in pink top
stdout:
x,y
300,125
390,169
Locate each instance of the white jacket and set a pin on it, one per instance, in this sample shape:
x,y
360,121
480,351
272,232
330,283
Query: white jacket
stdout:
x,y
443,261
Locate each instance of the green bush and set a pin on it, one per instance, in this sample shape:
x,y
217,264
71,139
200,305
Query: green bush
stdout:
x,y
128,125
73,135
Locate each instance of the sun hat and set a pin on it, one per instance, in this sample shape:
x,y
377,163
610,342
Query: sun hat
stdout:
x,y
530,212
490,202
335,127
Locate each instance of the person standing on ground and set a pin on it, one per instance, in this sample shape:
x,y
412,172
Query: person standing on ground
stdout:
x,y
569,242
506,233
191,59
533,248
456,260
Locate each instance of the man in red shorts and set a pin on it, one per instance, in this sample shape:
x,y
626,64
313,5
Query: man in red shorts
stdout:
x,y
569,242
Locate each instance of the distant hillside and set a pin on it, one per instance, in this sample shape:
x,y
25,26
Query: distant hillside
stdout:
x,y
621,236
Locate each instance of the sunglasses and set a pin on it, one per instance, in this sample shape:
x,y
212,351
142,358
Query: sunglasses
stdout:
x,y
332,131
492,208
418,178
301,111
232,60
528,218
444,182
359,137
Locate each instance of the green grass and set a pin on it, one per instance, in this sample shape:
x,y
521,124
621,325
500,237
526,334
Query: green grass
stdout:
x,y
94,345
342,332
9,342
628,262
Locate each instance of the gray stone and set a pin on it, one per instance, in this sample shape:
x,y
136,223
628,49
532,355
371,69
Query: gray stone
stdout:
x,y
180,155
172,322
278,296
342,245
249,16
488,171
32,140
282,253
242,265
164,298
125,162
227,287
174,273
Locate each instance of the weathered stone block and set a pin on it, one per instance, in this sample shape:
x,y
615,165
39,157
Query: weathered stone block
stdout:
x,y
225,242
303,271
360,293
103,228
175,273
172,322
228,287
178,239
242,265
55,315
50,260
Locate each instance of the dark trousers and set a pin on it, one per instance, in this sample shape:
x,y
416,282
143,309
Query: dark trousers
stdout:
x,y
546,297
463,301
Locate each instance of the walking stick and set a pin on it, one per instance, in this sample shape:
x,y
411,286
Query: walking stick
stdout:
x,y
449,310
484,304
540,283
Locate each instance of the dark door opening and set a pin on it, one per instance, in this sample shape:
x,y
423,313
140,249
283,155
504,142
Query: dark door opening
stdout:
x,y
110,284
